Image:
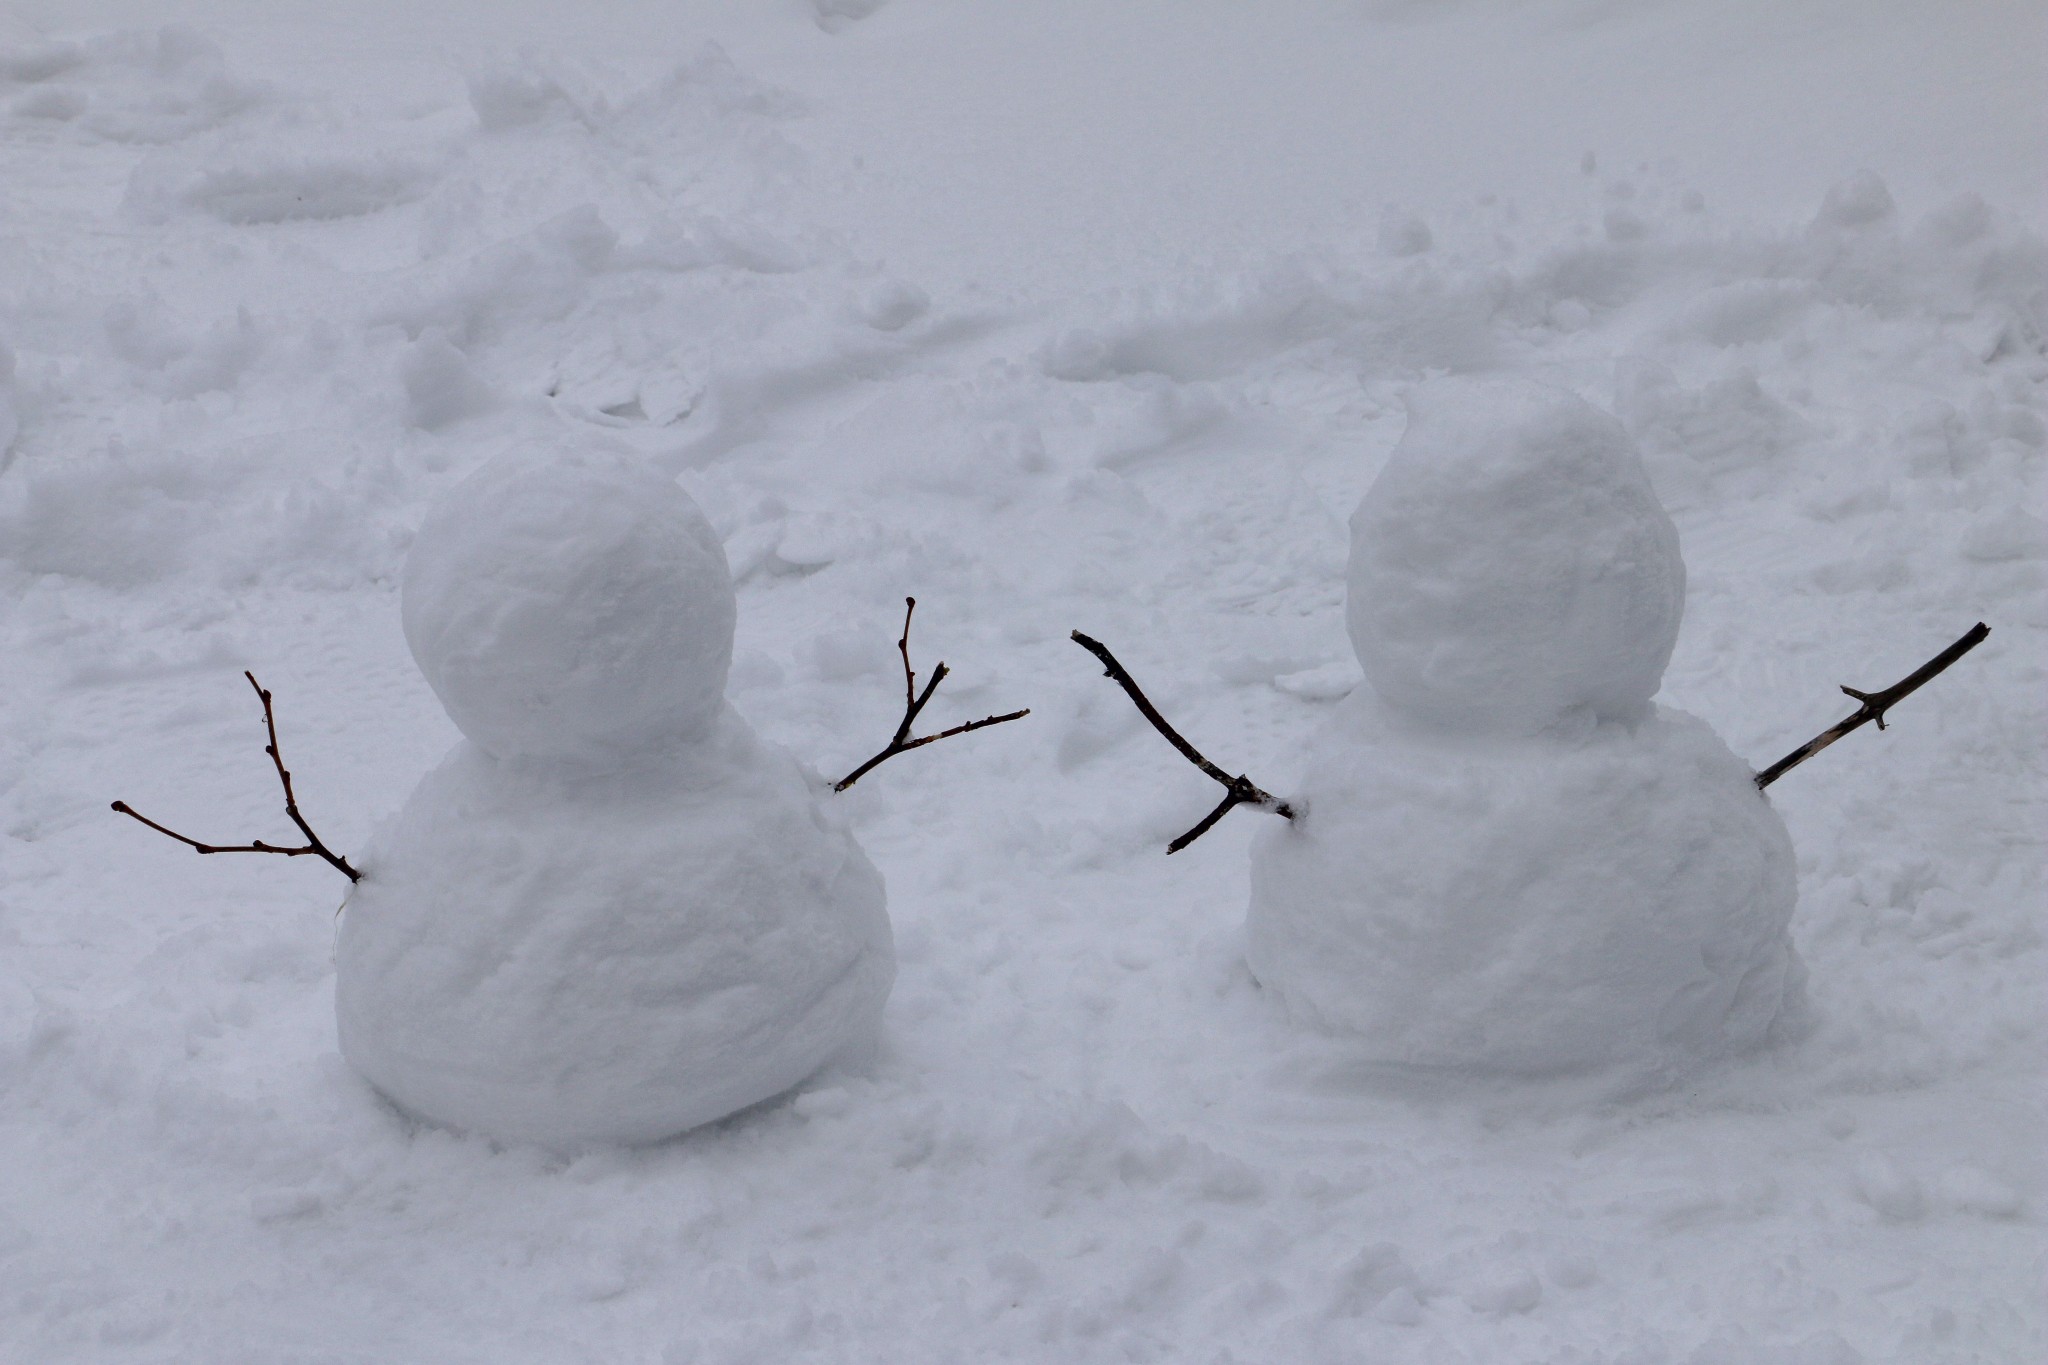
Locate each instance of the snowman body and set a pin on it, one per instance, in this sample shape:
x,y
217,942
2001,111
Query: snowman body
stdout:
x,y
613,912
1506,857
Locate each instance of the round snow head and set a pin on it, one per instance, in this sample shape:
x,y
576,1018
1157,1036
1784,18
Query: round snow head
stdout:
x,y
570,604
1511,563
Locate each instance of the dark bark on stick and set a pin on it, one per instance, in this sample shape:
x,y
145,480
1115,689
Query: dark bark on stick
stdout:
x,y
913,703
291,808
1875,704
1240,790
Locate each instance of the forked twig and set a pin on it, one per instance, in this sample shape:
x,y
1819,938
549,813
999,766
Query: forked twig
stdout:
x,y
1875,704
291,808
914,702
1239,790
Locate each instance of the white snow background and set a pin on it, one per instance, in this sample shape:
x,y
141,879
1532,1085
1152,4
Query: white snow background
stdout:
x,y
1055,315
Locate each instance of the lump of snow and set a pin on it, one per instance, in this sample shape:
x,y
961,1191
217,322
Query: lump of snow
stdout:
x,y
1892,1192
613,913
1859,201
552,957
1402,233
1512,564
1544,904
892,305
571,604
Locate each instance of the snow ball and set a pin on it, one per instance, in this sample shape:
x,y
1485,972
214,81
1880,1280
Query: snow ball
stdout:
x,y
546,956
569,603
892,305
1623,226
1402,233
1512,563
1537,905
1860,201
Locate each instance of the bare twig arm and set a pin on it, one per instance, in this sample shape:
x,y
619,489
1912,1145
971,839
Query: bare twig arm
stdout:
x,y
1241,790
1875,704
313,845
913,704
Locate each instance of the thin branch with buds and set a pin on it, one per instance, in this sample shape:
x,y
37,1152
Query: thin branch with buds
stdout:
x,y
291,808
913,703
1875,704
1238,790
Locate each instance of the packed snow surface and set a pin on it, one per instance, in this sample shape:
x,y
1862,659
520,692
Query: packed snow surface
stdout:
x,y
568,603
550,957
1054,315
1615,897
1511,564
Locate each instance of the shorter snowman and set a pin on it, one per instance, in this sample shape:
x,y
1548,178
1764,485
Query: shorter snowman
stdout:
x,y
1505,858
613,913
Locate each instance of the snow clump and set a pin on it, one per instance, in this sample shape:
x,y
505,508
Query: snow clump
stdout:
x,y
1506,859
613,913
571,606
1511,563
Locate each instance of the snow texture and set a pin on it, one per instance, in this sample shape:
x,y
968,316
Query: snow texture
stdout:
x,y
1614,897
1055,315
566,603
1501,860
560,958
613,913
1511,564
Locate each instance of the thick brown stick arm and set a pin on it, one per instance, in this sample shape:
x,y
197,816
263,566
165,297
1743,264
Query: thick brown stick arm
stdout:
x,y
1123,679
1242,790
1231,799
914,703
312,846
1875,704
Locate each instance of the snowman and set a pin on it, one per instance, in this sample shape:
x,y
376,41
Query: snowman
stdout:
x,y
1504,857
613,912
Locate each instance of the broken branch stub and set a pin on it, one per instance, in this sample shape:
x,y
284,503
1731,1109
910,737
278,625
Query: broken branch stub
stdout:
x,y
1238,791
312,846
1875,704
913,703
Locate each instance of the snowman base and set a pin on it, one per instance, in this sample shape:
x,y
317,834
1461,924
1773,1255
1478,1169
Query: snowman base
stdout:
x,y
540,956
1608,895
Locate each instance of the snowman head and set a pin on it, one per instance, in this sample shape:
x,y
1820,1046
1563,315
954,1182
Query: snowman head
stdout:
x,y
568,603
1511,563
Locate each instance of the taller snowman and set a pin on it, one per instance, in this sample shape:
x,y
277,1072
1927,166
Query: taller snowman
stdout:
x,y
613,912
1505,857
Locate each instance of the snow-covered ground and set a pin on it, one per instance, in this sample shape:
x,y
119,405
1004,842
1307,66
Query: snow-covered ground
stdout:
x,y
1056,316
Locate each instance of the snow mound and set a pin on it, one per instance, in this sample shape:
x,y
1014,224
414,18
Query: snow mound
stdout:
x,y
1545,904
569,603
1512,563
560,959
133,87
